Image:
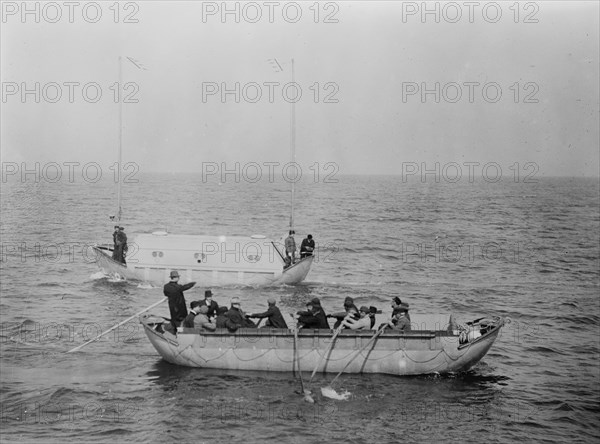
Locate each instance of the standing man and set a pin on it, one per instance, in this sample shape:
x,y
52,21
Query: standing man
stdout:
x,y
116,245
290,247
307,247
124,247
177,305
273,315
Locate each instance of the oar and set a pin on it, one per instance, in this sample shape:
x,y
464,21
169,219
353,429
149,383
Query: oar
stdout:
x,y
335,334
118,325
377,333
307,393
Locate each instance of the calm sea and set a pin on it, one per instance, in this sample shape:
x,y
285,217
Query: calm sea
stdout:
x,y
526,251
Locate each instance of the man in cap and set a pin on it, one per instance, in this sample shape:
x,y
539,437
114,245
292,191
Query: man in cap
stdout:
x,y
174,291
307,247
188,322
237,317
273,315
314,316
362,323
212,305
201,320
349,310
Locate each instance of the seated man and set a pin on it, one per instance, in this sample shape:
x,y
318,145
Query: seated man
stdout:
x,y
273,315
400,321
222,321
314,316
194,309
372,312
349,310
212,305
201,320
362,323
237,316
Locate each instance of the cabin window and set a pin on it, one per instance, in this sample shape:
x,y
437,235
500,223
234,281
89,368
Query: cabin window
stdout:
x,y
157,254
253,258
200,257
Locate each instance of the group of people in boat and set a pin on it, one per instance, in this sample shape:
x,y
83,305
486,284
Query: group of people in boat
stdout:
x,y
352,317
206,314
307,248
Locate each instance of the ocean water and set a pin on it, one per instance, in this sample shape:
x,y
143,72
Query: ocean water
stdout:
x,y
526,251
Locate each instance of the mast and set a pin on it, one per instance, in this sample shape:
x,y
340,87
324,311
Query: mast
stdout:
x,y
293,147
119,210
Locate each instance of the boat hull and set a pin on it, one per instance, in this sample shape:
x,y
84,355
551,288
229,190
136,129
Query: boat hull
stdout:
x,y
210,276
413,353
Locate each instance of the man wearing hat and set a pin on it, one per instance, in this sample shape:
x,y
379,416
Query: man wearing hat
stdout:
x,y
212,305
314,316
273,315
362,323
174,291
237,317
349,310
194,310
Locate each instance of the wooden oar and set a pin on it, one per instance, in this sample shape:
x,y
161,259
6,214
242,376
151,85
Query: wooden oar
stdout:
x,y
306,393
118,325
335,334
377,333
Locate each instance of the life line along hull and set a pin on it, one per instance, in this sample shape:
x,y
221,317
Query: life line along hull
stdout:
x,y
413,353
233,261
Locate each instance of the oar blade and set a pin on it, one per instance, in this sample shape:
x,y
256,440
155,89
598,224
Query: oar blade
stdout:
x,y
330,393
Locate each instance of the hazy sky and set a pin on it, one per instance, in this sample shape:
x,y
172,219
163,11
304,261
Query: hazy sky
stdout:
x,y
361,68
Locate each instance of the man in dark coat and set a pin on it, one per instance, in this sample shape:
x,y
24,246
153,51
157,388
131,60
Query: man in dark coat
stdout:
x,y
273,315
237,316
307,247
212,305
117,251
223,321
189,319
350,309
177,305
314,316
122,238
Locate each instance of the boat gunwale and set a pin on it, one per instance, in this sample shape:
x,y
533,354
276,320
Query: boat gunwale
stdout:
x,y
328,333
